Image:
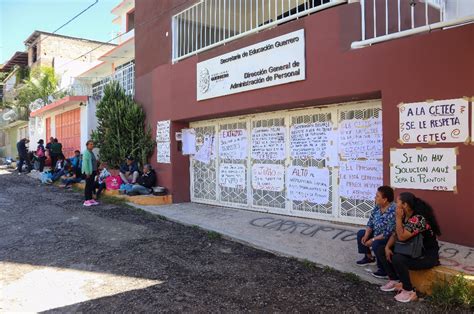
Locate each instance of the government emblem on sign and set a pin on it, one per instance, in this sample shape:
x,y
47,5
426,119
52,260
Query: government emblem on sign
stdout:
x,y
204,80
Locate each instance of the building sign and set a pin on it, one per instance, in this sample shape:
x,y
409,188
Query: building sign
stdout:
x,y
268,177
443,121
424,168
360,179
272,62
268,143
232,176
309,184
360,138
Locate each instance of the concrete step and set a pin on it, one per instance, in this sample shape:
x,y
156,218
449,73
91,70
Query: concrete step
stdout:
x,y
146,200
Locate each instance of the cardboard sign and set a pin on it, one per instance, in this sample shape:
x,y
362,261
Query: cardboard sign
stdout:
x,y
268,177
361,139
309,184
359,180
232,176
268,143
310,140
424,168
442,121
233,144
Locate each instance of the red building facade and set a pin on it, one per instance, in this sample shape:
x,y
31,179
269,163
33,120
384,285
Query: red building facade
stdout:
x,y
436,65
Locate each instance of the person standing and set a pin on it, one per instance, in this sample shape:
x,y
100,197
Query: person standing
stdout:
x,y
89,169
41,155
55,150
23,155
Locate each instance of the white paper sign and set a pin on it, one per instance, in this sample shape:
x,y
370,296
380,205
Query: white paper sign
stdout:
x,y
423,169
163,142
442,121
163,152
163,131
189,141
308,184
310,140
268,177
232,176
268,143
361,138
359,180
233,144
204,154
272,62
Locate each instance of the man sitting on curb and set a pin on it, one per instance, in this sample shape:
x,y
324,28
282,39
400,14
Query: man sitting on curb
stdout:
x,y
144,185
129,171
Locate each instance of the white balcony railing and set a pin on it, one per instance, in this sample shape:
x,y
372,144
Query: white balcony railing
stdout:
x,y
124,75
384,20
211,23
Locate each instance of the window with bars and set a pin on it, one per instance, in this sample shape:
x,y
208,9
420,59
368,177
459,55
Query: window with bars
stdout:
x,y
210,23
124,75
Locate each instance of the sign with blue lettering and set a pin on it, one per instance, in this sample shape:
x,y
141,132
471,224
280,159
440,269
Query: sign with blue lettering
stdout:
x,y
442,121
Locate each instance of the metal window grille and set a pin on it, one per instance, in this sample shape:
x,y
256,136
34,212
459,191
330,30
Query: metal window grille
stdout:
x,y
124,75
210,23
383,20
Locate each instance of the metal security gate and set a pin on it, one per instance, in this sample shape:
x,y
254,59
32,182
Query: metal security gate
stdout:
x,y
210,175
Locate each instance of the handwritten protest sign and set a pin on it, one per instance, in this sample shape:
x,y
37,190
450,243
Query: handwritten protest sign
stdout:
x,y
233,144
163,153
361,138
442,121
424,169
268,143
163,131
308,184
359,180
232,176
310,140
268,177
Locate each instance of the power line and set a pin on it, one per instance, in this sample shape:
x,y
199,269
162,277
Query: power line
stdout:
x,y
69,21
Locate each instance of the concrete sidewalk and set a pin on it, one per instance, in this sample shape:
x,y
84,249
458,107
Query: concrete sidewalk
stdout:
x,y
324,243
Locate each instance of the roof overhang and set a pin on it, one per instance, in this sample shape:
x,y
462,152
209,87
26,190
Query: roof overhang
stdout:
x,y
19,58
63,102
122,53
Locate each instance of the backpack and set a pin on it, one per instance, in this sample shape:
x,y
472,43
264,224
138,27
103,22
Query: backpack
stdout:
x,y
113,182
39,152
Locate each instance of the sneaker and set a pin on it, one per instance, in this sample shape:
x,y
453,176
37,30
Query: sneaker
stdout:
x,y
391,285
87,203
406,296
380,274
366,261
94,202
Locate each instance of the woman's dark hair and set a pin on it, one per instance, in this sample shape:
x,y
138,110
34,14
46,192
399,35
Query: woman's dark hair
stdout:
x,y
56,140
420,207
89,142
387,192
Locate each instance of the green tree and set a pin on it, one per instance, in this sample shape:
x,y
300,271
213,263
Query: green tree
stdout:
x,y
40,83
121,128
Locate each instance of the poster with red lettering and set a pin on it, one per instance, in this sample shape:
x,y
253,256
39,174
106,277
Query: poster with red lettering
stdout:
x,y
441,121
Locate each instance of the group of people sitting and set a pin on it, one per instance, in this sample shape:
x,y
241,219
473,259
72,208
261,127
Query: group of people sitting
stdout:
x,y
130,181
392,236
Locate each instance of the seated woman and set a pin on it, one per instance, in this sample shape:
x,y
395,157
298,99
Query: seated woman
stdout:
x,y
99,184
60,168
380,227
144,185
413,216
